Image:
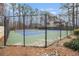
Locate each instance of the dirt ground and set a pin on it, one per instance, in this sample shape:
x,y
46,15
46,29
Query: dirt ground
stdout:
x,y
1,32
56,49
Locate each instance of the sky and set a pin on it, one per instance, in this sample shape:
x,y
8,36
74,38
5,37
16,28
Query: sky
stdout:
x,y
51,7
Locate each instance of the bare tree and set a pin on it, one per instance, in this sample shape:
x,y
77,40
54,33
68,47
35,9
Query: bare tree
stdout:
x,y
13,5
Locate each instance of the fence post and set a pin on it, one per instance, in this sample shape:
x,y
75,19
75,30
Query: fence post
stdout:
x,y
24,29
60,29
67,28
45,30
60,26
5,30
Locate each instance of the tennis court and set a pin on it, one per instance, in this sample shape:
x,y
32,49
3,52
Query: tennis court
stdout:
x,y
34,37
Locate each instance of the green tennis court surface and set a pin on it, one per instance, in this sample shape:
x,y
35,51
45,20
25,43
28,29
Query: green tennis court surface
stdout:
x,y
37,39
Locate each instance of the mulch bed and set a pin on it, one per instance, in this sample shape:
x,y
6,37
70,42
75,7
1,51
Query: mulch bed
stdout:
x,y
55,49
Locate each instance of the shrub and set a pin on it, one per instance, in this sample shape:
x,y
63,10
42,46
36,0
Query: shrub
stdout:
x,y
76,31
66,44
74,44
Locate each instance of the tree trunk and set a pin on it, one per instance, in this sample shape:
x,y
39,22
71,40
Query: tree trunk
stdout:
x,y
31,21
19,17
76,14
13,17
73,21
